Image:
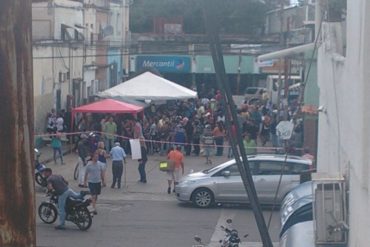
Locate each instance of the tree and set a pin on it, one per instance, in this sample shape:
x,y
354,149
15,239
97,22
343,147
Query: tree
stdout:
x,y
17,211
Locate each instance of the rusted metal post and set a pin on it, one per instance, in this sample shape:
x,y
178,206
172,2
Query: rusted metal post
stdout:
x,y
17,201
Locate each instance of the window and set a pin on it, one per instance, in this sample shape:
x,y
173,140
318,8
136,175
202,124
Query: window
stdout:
x,y
274,168
271,168
234,171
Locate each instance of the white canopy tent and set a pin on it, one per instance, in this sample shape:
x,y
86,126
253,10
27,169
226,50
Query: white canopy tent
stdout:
x,y
148,86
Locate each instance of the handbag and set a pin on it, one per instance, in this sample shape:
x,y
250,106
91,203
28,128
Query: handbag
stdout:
x,y
166,166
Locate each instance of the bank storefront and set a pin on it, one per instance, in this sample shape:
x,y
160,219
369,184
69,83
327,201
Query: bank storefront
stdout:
x,y
198,71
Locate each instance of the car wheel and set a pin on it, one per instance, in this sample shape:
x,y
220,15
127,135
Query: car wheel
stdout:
x,y
203,198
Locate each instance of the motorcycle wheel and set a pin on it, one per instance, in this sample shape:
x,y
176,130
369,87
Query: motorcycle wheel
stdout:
x,y
76,171
83,218
40,180
48,213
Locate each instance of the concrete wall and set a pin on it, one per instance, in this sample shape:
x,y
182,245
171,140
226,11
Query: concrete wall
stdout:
x,y
115,19
344,138
69,13
46,77
42,21
43,87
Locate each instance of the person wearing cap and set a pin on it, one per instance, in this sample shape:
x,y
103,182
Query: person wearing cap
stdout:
x,y
118,156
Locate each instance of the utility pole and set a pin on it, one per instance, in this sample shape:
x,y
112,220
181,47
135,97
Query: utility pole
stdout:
x,y
17,200
126,39
211,20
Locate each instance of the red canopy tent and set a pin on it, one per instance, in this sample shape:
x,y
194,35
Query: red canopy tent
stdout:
x,y
107,106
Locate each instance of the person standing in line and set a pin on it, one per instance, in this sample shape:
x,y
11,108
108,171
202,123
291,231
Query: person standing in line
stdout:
x,y
219,135
208,143
118,158
51,123
83,153
250,145
177,158
138,130
59,122
95,177
180,136
198,131
110,130
142,161
189,130
103,155
232,135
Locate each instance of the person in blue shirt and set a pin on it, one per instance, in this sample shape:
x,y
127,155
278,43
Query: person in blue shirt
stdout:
x,y
180,136
118,156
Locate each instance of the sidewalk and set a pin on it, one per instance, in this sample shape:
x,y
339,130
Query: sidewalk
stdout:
x,y
155,188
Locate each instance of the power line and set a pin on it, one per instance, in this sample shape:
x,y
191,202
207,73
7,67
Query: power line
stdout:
x,y
149,52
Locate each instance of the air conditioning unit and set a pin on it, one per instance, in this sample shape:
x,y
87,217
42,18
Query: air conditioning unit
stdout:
x,y
330,212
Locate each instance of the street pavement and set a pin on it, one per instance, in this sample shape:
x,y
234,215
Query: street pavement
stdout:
x,y
144,214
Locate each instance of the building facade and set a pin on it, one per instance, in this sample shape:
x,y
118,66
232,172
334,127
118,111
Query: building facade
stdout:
x,y
77,47
344,139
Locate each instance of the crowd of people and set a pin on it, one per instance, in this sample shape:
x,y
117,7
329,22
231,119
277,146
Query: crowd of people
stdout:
x,y
176,129
196,125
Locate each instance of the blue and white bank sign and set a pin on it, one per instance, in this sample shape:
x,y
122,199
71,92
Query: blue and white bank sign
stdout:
x,y
171,64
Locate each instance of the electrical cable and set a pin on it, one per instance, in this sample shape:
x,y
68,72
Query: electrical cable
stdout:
x,y
304,83
278,186
143,53
296,113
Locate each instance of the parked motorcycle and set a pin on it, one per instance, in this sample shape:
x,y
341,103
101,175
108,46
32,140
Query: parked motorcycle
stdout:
x,y
39,167
76,210
231,238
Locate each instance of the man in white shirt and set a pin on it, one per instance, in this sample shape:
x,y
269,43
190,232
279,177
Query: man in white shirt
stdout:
x,y
60,123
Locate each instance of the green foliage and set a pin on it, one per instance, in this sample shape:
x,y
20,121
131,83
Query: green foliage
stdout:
x,y
235,16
